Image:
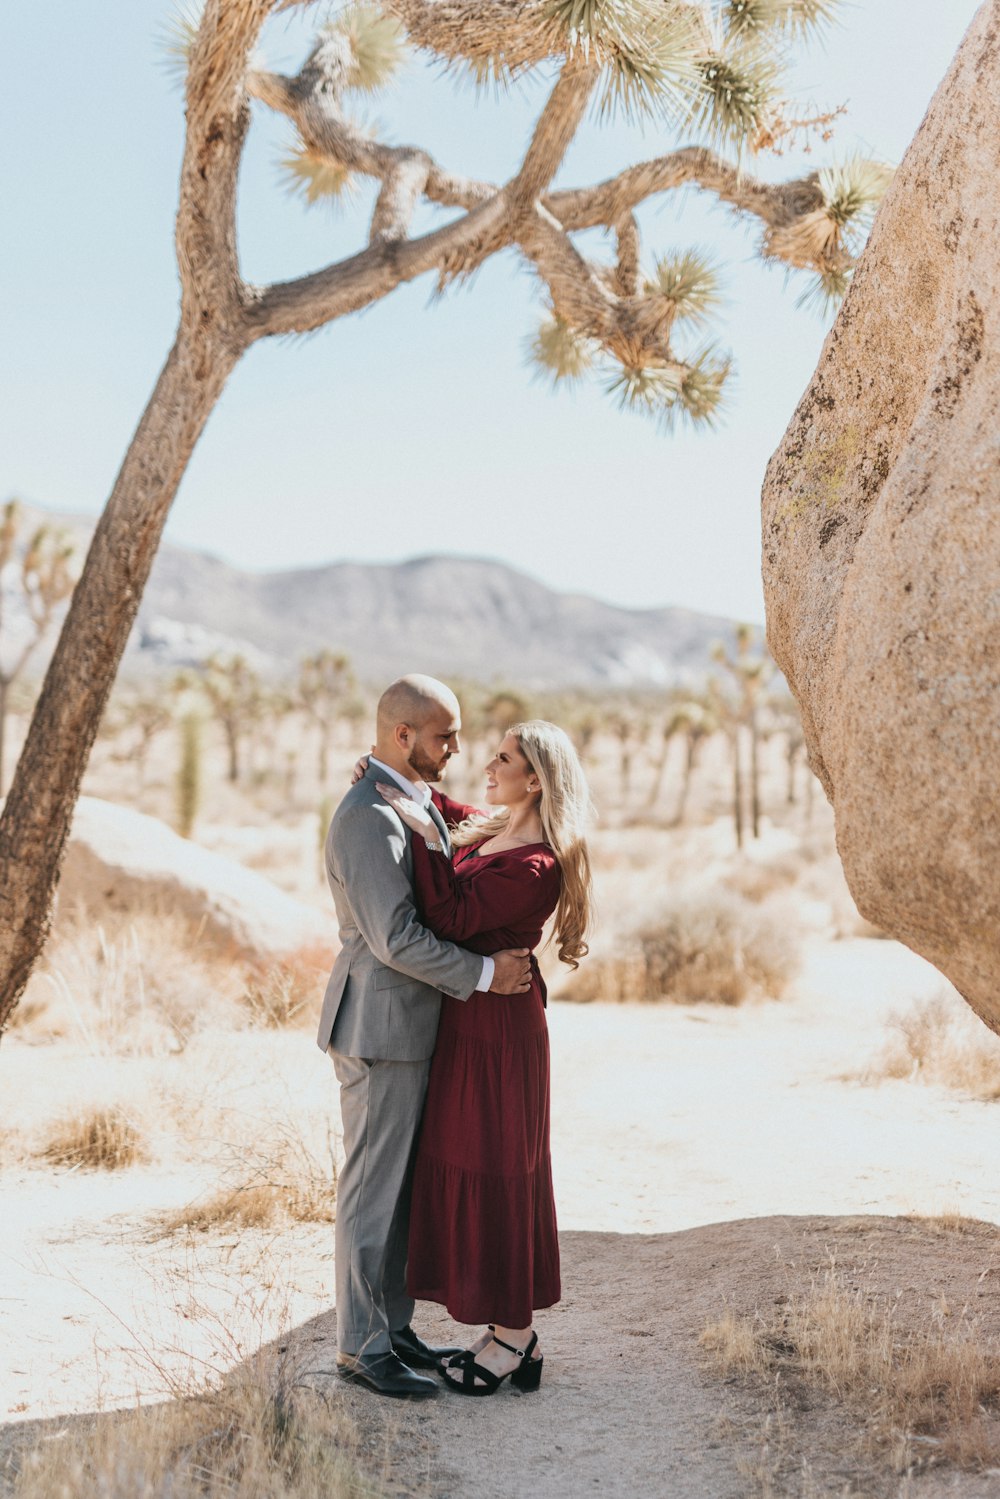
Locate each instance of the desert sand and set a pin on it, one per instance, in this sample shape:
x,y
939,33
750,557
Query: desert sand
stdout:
x,y
704,1157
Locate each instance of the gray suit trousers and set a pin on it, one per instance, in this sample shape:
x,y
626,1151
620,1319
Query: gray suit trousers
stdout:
x,y
381,1104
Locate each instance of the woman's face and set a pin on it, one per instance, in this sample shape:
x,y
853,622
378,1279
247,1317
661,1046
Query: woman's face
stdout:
x,y
509,778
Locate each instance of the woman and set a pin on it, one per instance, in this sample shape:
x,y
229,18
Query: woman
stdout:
x,y
483,1239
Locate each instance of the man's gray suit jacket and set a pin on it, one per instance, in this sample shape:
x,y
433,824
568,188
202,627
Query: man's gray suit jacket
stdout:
x,y
383,999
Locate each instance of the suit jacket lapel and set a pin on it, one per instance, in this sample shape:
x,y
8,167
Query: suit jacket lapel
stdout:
x,y
374,774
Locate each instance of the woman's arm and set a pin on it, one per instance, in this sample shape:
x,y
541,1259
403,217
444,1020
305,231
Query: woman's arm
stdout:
x,y
500,892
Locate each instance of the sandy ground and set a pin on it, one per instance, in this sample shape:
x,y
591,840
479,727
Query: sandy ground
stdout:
x,y
666,1119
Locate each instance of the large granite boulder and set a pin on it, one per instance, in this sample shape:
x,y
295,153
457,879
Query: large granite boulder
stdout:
x,y
118,859
881,538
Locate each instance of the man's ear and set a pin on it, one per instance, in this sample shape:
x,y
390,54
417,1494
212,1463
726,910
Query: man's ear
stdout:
x,y
401,735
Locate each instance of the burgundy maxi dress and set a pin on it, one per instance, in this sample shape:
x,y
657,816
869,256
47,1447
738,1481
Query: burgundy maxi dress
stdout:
x,y
483,1239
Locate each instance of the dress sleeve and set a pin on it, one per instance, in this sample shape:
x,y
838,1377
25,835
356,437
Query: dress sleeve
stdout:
x,y
500,893
452,812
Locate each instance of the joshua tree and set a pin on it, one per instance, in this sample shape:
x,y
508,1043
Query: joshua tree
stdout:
x,y
711,70
670,726
678,720
133,723
274,707
787,721
45,579
629,727
234,692
701,722
739,709
325,684
189,779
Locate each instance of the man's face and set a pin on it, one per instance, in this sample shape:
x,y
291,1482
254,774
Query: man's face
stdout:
x,y
433,744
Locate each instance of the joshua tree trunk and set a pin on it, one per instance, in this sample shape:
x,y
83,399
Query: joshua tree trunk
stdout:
x,y
690,757
659,769
233,747
754,774
791,755
737,787
39,808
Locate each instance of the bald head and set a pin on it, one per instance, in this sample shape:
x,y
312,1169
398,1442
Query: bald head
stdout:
x,y
417,724
412,700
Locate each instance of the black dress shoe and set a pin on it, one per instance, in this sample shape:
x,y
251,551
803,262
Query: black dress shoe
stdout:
x,y
386,1375
415,1352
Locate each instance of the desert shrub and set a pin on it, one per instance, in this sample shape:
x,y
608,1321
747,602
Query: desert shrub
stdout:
x,y
941,1041
940,1386
105,1139
280,1180
241,1440
757,879
707,946
286,994
136,983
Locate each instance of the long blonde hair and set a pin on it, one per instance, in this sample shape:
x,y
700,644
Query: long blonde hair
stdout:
x,y
564,809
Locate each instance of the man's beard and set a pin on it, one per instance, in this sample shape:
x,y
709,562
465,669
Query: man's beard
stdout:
x,y
424,768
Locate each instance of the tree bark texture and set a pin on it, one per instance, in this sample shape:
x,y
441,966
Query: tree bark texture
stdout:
x,y
37,813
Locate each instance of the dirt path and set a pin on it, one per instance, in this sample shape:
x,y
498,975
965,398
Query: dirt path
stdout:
x,y
628,1408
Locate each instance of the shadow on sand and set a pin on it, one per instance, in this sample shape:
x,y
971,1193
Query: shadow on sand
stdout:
x,y
629,1405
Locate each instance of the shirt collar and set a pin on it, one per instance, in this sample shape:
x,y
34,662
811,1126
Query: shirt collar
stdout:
x,y
420,793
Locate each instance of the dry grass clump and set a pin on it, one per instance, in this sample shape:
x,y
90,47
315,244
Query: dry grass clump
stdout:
x,y
758,879
286,994
286,1183
942,1042
132,984
100,1139
244,1440
940,1225
927,1394
707,946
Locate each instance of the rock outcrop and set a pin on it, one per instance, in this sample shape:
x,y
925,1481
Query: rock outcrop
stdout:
x,y
117,859
881,539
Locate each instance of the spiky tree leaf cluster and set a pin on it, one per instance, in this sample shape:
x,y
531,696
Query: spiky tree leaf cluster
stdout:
x,y
712,71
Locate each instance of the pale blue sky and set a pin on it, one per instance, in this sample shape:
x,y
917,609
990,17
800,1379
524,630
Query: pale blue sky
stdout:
x,y
414,427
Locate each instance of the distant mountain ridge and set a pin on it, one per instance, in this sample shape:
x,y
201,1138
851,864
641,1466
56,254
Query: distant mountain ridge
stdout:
x,y
451,616
465,617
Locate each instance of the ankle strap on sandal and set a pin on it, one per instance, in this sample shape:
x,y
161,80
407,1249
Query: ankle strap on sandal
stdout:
x,y
521,1352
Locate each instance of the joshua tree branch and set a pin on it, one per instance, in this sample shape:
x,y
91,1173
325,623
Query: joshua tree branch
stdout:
x,y
776,204
217,120
632,328
402,189
627,271
327,132
304,304
514,33
553,134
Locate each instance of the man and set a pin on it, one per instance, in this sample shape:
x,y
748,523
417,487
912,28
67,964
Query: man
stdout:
x,y
379,1023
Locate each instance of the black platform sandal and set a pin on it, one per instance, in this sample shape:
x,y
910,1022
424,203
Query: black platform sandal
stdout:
x,y
458,1359
525,1376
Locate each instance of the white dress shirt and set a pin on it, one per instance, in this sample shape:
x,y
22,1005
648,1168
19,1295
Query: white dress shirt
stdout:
x,y
421,793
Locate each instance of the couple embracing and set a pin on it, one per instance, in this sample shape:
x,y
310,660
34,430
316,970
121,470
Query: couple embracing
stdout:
x,y
434,1017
